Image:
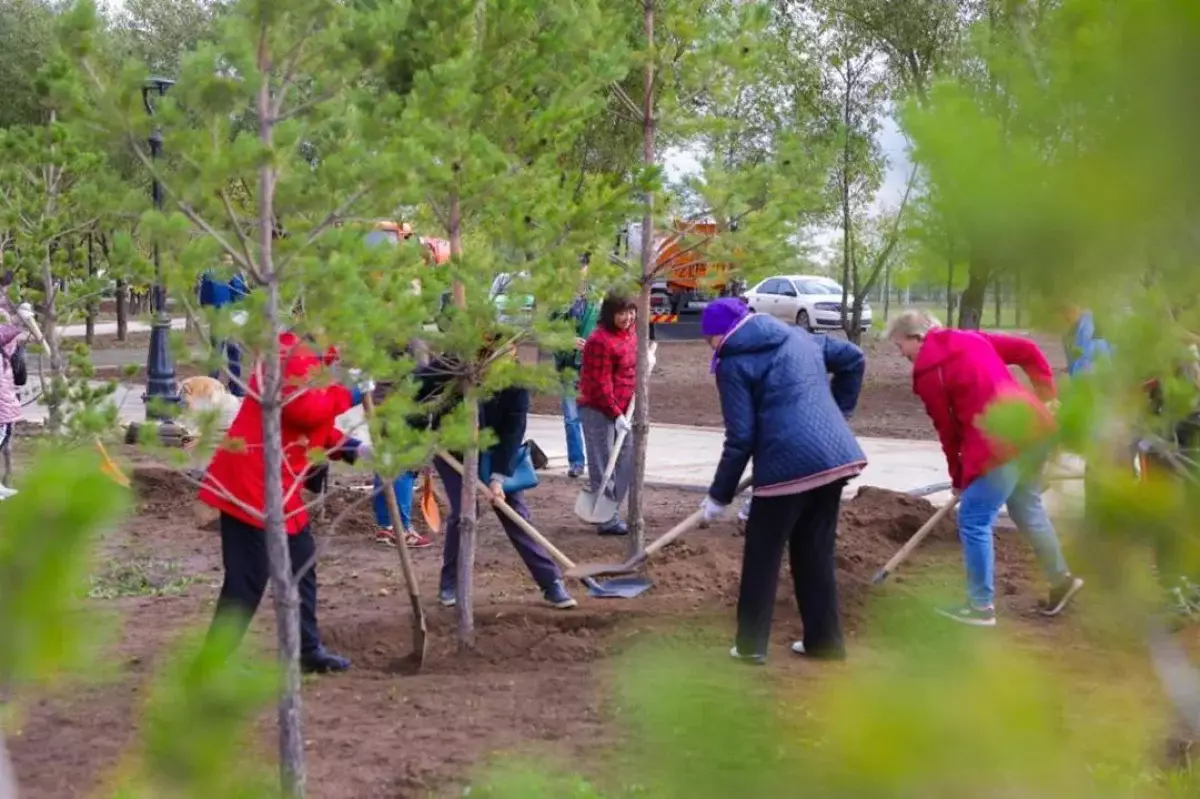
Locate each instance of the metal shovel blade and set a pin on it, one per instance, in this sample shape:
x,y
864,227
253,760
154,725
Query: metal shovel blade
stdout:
x,y
585,571
596,508
618,588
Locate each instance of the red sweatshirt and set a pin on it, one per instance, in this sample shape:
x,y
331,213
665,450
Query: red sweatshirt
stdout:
x,y
235,482
959,374
609,373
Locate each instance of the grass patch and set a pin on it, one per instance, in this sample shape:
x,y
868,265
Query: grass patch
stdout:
x,y
141,577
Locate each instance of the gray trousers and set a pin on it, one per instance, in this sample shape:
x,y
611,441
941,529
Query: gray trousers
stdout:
x,y
599,435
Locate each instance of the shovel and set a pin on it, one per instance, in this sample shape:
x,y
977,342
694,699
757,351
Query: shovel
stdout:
x,y
420,631
594,589
429,504
591,570
913,542
597,506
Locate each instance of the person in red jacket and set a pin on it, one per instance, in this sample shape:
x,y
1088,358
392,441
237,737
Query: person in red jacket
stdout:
x,y
234,484
960,375
606,383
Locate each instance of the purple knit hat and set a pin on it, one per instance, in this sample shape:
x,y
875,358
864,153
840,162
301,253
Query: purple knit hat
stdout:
x,y
722,316
719,318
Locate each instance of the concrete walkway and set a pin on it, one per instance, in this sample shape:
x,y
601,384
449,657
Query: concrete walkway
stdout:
x,y
110,328
685,456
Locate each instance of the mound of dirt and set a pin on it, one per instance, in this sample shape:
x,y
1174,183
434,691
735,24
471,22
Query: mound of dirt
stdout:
x,y
161,490
346,512
892,515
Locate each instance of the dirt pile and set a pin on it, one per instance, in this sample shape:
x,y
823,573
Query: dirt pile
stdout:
x,y
168,494
871,527
880,513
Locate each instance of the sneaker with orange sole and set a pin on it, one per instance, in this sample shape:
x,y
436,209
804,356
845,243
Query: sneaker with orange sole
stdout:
x,y
414,540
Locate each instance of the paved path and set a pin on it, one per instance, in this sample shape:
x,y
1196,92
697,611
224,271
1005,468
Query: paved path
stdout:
x,y
110,328
687,456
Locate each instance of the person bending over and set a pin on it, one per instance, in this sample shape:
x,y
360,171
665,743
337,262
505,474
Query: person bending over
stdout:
x,y
782,412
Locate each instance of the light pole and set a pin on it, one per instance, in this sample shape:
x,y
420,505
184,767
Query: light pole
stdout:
x,y
160,367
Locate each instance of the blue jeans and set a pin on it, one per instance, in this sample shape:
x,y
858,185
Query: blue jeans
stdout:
x,y
404,497
979,507
575,452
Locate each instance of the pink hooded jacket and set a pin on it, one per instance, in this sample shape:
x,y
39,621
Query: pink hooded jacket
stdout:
x,y
11,335
959,374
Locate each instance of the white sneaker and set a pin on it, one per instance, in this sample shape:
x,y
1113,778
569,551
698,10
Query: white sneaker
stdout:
x,y
757,660
6,492
798,648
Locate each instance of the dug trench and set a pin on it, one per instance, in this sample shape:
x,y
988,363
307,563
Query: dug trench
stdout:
x,y
537,681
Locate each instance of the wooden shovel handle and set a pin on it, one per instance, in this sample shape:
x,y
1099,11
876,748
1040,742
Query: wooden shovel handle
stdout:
x,y
393,507
611,466
684,526
516,518
915,540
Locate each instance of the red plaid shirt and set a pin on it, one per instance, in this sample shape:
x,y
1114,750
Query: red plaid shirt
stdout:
x,y
609,372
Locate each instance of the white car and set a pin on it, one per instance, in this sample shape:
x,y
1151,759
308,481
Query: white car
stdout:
x,y
808,301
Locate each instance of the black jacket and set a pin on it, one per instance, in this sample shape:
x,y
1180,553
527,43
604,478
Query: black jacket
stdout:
x,y
504,413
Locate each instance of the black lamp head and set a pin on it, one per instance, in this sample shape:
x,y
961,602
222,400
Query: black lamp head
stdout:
x,y
157,84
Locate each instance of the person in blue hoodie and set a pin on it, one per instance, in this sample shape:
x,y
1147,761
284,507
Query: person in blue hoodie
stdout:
x,y
216,293
1084,347
782,411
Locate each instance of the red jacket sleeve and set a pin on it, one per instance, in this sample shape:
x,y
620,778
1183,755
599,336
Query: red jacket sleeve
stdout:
x,y
1017,351
935,393
599,365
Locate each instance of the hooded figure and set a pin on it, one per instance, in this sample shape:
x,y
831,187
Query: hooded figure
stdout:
x,y
782,411
959,376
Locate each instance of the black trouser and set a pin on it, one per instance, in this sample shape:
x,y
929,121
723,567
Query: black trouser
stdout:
x,y
247,569
807,524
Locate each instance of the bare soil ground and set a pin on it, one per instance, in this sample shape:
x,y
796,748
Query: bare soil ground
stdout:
x,y
538,681
682,390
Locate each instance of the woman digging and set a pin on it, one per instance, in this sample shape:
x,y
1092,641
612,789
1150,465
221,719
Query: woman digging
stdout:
x,y
606,386
960,375
505,413
782,411
234,484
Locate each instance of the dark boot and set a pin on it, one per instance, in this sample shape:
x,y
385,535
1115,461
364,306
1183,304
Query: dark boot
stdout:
x,y
322,661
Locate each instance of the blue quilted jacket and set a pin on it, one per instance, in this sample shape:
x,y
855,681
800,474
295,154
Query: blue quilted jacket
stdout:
x,y
781,409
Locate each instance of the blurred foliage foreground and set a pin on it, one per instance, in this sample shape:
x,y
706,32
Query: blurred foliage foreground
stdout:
x,y
934,710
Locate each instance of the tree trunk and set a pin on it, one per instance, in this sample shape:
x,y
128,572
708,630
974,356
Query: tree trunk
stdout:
x,y
847,233
89,331
998,301
468,517
641,411
285,590
8,776
970,309
950,291
1016,298
58,378
887,290
122,309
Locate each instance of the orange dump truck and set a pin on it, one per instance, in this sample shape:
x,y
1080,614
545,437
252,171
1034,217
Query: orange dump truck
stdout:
x,y
683,273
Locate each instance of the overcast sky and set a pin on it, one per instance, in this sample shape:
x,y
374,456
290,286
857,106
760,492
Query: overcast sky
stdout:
x,y
680,163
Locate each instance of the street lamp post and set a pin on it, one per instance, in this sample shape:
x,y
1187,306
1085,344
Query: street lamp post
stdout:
x,y
160,367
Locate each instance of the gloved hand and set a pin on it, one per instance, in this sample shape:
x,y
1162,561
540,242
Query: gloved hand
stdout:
x,y
360,385
26,314
496,486
365,453
239,318
711,510
652,360
623,425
